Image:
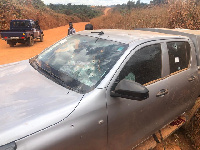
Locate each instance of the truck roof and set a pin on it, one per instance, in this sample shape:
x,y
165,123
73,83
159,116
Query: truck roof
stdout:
x,y
128,36
188,31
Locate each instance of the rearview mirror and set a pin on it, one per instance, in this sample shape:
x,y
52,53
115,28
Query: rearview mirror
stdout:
x,y
130,90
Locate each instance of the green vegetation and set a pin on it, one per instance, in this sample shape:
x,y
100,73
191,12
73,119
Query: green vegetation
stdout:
x,y
38,4
138,4
131,4
83,12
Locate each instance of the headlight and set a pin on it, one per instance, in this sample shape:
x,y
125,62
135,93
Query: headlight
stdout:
x,y
10,146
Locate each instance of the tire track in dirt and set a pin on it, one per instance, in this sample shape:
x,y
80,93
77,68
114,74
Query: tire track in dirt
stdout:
x,y
106,11
22,52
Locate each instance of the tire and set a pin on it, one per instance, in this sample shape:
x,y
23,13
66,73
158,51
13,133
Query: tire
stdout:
x,y
41,38
30,41
12,44
191,113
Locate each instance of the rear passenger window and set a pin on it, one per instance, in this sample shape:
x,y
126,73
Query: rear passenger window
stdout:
x,y
179,55
144,66
33,24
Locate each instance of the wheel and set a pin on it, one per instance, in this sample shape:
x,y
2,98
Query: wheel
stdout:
x,y
12,44
191,112
41,38
30,41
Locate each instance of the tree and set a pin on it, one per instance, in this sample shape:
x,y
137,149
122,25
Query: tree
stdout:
x,y
157,2
138,3
130,4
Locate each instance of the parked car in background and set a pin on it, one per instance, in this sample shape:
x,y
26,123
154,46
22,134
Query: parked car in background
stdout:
x,y
99,89
22,31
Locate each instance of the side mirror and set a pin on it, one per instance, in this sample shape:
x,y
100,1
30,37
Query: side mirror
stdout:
x,y
130,90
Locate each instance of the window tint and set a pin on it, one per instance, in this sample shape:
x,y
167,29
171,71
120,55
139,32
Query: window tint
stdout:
x,y
27,24
33,24
179,55
20,24
144,66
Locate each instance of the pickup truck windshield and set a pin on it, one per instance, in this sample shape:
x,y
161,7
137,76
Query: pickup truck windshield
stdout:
x,y
81,62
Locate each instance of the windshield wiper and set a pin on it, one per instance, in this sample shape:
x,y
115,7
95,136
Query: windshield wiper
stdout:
x,y
100,33
71,84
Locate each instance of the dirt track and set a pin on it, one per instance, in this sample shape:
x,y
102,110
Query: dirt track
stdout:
x,y
106,11
21,51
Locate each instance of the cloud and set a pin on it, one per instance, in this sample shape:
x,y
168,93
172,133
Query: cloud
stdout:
x,y
89,2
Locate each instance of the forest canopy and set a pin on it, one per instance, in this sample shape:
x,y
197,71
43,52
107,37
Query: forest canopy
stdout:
x,y
84,12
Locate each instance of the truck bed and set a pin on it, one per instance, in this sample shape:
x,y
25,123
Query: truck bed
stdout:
x,y
14,35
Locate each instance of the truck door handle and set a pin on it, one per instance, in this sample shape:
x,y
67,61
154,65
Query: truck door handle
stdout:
x,y
192,78
162,93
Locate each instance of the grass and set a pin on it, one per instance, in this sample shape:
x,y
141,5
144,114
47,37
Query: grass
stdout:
x,y
175,14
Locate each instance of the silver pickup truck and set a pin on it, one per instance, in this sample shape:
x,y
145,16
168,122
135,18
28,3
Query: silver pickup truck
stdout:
x,y
99,89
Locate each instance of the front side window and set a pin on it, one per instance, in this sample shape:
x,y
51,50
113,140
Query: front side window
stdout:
x,y
144,66
179,55
80,61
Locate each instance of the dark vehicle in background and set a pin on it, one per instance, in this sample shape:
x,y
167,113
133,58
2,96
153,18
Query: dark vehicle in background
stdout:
x,y
22,31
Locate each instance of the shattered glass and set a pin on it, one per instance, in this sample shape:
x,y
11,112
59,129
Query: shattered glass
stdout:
x,y
83,58
179,55
144,66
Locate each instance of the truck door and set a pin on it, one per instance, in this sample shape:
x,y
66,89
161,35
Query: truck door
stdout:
x,y
183,76
130,121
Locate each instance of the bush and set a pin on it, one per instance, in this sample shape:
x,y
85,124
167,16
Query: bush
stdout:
x,y
183,14
174,14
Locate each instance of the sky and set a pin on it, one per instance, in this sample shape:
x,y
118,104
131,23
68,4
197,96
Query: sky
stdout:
x,y
91,2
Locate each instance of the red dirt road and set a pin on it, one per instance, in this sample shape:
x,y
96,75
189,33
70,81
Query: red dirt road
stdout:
x,y
22,52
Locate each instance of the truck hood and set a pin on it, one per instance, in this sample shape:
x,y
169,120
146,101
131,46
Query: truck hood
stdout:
x,y
29,102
